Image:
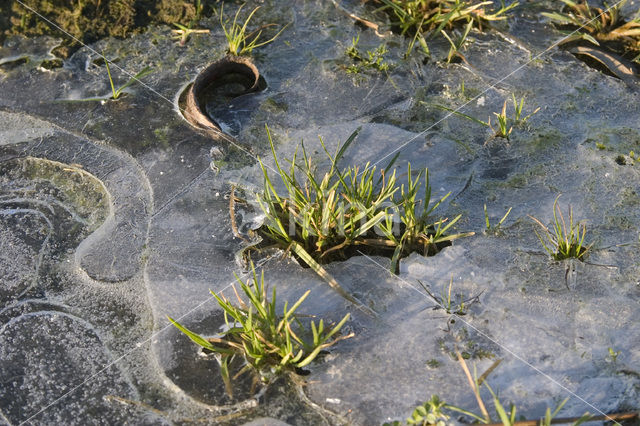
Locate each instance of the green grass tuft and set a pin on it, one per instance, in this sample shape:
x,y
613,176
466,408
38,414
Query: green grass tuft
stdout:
x,y
599,26
239,41
373,59
505,123
562,241
117,92
330,216
427,19
268,343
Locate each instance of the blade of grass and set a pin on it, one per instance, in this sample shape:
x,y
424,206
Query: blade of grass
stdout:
x,y
306,257
474,387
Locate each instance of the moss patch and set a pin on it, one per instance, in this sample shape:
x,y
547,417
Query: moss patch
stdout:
x,y
90,20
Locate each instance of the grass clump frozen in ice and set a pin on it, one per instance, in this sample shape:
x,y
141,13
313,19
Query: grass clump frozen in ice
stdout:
x,y
562,241
595,25
439,413
454,304
493,229
429,413
116,91
372,59
423,20
239,40
504,123
183,32
323,217
267,342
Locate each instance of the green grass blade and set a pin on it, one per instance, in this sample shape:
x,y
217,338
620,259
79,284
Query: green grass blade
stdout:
x,y
226,378
468,117
255,45
504,217
561,19
445,20
486,218
395,258
309,358
371,223
306,257
113,89
337,327
467,413
196,338
145,71
346,145
296,305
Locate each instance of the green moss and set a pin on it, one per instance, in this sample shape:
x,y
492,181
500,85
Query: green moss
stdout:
x,y
172,11
542,141
619,222
433,363
623,141
471,349
162,135
520,180
90,20
86,20
628,198
274,106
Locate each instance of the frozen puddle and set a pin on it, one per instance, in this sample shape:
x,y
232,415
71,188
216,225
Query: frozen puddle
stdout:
x,y
115,214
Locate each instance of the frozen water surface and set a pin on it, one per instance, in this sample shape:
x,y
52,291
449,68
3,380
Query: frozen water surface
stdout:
x,y
115,214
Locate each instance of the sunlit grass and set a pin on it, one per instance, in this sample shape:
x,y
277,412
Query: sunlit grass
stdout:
x,y
504,124
324,216
116,92
489,228
239,40
268,343
426,19
371,59
563,241
438,412
597,25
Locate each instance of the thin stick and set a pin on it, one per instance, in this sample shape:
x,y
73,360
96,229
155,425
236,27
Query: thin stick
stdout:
x,y
139,404
363,21
472,383
306,257
484,375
